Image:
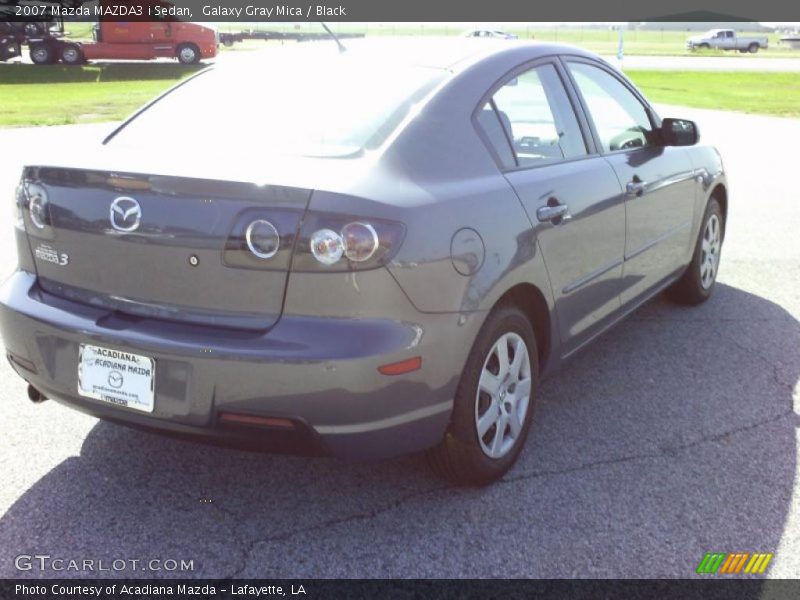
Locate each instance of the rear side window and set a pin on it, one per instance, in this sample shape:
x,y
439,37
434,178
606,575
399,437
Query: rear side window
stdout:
x,y
530,121
619,117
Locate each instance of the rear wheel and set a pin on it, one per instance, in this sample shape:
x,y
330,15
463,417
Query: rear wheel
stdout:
x,y
71,55
494,403
42,54
752,48
188,54
697,283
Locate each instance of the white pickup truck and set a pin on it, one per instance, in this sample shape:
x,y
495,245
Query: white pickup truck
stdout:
x,y
726,39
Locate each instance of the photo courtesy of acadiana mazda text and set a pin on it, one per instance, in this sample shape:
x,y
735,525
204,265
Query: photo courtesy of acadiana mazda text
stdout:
x,y
359,253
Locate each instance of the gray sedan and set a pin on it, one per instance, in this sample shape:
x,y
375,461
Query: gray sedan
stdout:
x,y
364,253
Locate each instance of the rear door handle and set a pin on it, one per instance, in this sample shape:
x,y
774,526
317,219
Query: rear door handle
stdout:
x,y
635,187
553,213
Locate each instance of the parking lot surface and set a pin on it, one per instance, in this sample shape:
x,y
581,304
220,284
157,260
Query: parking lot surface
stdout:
x,y
674,435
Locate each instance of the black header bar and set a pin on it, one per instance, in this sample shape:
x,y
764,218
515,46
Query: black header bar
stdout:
x,y
406,10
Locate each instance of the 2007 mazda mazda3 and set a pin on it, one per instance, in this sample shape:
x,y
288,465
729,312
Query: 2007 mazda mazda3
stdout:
x,y
360,253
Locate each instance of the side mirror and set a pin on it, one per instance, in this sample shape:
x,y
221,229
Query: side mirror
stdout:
x,y
679,132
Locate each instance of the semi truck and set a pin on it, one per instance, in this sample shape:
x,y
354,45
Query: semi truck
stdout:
x,y
130,40
726,39
166,37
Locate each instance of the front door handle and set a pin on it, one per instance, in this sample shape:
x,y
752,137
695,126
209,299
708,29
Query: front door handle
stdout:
x,y
554,213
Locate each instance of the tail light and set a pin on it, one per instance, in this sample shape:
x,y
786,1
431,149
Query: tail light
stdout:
x,y
19,201
262,239
268,239
31,196
330,242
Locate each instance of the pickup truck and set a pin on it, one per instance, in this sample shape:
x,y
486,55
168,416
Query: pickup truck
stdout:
x,y
726,39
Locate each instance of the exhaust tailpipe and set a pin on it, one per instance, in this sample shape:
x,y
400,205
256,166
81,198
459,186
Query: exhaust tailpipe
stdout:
x,y
35,395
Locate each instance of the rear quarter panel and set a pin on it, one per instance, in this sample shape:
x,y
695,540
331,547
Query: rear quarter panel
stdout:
x,y
473,241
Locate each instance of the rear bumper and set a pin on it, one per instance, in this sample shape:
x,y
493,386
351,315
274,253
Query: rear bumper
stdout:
x,y
320,373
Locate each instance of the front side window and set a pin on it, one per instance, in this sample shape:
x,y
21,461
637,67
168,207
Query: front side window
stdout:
x,y
530,120
620,119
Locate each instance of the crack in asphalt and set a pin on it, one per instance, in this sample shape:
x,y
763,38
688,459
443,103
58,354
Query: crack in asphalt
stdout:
x,y
362,516
666,451
776,372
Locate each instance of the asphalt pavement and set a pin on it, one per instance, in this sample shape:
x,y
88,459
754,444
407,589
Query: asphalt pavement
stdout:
x,y
674,435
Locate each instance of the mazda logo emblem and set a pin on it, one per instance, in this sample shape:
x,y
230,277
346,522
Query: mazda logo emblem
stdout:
x,y
125,214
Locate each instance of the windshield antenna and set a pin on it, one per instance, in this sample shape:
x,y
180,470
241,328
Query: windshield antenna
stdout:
x,y
333,35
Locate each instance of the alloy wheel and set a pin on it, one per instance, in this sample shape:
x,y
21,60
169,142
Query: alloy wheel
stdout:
x,y
503,396
710,247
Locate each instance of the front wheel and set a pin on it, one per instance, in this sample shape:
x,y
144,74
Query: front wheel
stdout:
x,y
494,403
697,282
188,54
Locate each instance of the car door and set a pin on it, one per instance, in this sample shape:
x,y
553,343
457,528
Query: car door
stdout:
x,y
571,195
658,180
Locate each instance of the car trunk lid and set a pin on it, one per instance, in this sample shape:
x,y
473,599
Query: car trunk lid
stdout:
x,y
163,246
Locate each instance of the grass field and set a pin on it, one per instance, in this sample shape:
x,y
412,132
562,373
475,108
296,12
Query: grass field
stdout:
x,y
60,95
766,93
56,95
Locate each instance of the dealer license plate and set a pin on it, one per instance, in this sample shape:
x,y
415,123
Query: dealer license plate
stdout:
x,y
117,377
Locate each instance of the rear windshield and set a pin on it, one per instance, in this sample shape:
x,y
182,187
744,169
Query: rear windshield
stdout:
x,y
333,107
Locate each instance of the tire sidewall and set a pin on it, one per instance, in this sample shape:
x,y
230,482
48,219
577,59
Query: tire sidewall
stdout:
x,y
79,55
713,207
47,60
462,431
193,49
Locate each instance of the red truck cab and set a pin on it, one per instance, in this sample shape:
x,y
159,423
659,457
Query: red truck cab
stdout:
x,y
145,40
135,39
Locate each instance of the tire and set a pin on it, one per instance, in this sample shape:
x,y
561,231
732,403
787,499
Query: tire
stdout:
x,y
71,55
752,48
697,282
188,54
463,456
42,54
704,46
